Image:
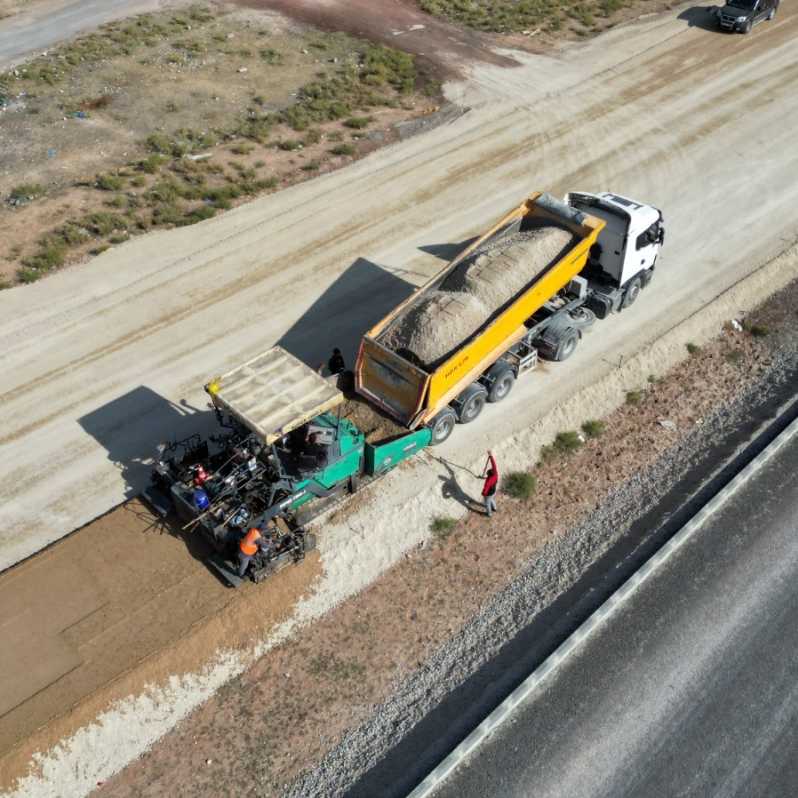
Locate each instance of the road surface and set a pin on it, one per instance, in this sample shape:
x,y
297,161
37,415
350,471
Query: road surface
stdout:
x,y
97,359
691,689
48,22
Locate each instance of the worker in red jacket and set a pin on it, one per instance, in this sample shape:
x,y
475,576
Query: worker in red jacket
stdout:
x,y
491,477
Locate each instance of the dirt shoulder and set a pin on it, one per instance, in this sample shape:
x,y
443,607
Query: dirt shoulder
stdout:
x,y
301,699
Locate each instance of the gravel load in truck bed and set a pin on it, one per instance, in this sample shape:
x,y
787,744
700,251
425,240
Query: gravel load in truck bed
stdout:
x,y
437,324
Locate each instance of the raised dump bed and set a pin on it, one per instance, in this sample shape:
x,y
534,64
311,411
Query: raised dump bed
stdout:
x,y
435,344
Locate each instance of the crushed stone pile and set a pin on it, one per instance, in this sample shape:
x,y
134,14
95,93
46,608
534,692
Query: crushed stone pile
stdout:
x,y
479,286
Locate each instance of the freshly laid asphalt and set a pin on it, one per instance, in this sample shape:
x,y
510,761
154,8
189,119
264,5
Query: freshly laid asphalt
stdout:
x,y
690,690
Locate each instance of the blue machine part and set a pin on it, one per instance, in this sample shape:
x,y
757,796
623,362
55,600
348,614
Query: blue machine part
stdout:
x,y
200,499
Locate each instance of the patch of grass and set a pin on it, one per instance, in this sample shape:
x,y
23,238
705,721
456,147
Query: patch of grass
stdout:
x,y
692,349
634,397
138,181
757,330
313,136
270,56
51,254
109,182
343,149
73,235
98,250
221,197
26,274
27,191
519,484
152,163
289,145
266,183
311,166
102,223
242,148
199,214
358,122
442,526
593,428
4,284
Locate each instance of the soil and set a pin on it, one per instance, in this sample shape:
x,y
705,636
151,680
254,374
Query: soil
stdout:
x,y
121,602
347,663
442,48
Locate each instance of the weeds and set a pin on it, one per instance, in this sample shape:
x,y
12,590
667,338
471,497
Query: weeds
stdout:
x,y
757,330
343,149
109,182
692,349
520,484
593,428
634,397
289,145
26,192
442,526
358,122
564,443
311,166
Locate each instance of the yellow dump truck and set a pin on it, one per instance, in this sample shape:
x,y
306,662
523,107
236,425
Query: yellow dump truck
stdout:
x,y
529,286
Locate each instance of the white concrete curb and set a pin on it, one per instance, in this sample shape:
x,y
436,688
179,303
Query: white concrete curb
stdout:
x,y
533,682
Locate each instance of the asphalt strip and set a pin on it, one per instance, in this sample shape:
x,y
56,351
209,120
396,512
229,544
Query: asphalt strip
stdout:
x,y
529,687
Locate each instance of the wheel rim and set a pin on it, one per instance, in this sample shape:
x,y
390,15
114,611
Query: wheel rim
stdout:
x,y
632,293
473,408
568,348
443,429
503,387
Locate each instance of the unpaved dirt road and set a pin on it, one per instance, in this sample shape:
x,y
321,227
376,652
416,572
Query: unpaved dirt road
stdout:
x,y
97,359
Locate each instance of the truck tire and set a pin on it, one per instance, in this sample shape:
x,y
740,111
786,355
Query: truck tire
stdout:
x,y
471,402
748,25
566,345
772,13
503,381
632,292
442,425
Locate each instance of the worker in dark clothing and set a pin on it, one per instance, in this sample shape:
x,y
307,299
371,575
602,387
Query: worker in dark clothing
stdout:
x,y
249,546
491,477
336,364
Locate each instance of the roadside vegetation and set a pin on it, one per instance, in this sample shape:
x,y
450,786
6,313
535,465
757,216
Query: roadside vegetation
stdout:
x,y
220,109
526,16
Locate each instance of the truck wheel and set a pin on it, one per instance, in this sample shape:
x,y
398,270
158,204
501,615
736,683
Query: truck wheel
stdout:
x,y
632,292
442,425
772,14
503,383
566,346
748,25
471,401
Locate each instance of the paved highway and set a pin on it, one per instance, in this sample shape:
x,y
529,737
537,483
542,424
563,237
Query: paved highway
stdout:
x,y
690,690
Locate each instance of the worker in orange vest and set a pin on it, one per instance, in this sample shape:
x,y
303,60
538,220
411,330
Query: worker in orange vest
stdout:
x,y
248,548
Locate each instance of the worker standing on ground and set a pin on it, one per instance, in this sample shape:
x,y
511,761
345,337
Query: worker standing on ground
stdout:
x,y
336,363
248,548
491,477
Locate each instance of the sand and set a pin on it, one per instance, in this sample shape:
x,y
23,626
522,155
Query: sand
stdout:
x,y
476,289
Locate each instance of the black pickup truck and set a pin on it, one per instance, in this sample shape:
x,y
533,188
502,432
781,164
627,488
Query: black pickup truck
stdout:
x,y
742,15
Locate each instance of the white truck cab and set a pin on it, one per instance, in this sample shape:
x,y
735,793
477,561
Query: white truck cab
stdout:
x,y
622,260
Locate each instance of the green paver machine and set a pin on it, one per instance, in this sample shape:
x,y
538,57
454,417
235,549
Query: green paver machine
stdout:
x,y
283,455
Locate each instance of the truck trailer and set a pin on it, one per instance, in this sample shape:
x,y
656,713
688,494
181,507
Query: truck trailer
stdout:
x,y
609,255
290,443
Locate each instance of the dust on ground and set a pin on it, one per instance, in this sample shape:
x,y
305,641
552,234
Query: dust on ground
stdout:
x,y
166,118
120,603
309,692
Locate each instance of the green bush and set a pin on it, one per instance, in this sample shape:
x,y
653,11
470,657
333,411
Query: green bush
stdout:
x,y
757,330
593,428
27,191
692,349
102,223
51,255
519,484
198,214
26,274
358,122
289,145
311,166
271,56
564,443
343,149
73,235
634,397
442,526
